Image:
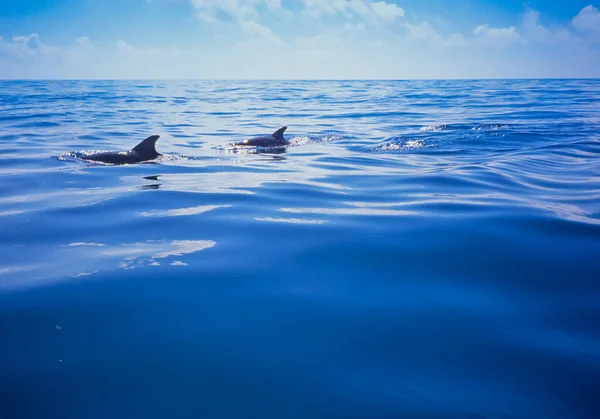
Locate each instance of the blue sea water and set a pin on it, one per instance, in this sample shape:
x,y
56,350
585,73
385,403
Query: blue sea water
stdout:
x,y
422,249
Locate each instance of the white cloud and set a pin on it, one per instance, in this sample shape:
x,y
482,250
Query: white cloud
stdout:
x,y
320,41
387,11
25,49
587,23
28,57
423,32
367,10
243,15
123,47
333,39
236,10
261,33
320,8
497,36
349,40
534,32
31,41
456,40
223,10
532,28
84,42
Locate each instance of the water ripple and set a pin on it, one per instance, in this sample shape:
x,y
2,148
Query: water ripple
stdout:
x,y
419,249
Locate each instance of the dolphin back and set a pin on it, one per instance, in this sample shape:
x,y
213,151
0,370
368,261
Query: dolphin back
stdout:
x,y
274,140
114,157
144,151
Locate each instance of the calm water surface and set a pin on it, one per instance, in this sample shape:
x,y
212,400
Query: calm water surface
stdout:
x,y
421,250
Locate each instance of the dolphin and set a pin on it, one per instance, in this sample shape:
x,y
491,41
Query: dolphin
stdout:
x,y
144,151
274,140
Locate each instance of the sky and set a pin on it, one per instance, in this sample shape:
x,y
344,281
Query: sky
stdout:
x,y
298,39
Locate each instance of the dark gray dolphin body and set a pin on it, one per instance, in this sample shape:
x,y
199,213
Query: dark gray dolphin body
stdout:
x,y
274,140
144,151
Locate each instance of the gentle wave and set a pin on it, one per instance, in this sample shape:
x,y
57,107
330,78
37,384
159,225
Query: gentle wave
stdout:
x,y
419,249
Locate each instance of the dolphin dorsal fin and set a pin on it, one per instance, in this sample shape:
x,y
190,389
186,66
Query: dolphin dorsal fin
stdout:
x,y
278,135
148,146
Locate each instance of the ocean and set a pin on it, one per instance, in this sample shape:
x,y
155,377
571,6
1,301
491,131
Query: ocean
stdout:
x,y
421,249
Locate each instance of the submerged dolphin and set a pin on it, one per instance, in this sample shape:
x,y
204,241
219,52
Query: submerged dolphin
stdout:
x,y
274,140
144,151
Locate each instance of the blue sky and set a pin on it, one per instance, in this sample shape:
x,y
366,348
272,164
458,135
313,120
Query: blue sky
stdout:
x,y
298,39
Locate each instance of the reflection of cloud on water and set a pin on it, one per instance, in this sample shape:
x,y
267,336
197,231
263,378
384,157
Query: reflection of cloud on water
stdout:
x,y
178,263
423,203
291,220
178,212
7,270
84,274
79,260
355,208
9,213
139,254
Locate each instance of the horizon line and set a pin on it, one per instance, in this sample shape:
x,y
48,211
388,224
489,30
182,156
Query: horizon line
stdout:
x,y
299,79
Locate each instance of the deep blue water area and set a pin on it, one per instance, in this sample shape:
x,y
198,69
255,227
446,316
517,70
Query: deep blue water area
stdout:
x,y
421,249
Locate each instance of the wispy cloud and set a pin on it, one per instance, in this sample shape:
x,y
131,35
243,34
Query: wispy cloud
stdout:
x,y
262,34
232,10
386,11
499,36
587,23
323,39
